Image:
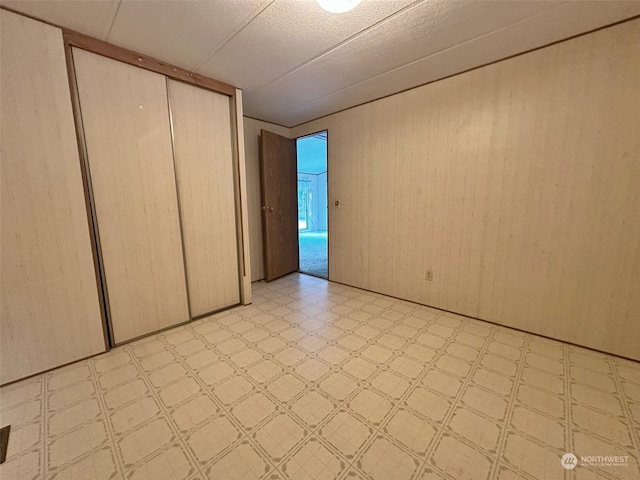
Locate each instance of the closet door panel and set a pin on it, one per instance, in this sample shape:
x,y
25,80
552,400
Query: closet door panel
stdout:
x,y
204,167
128,136
50,308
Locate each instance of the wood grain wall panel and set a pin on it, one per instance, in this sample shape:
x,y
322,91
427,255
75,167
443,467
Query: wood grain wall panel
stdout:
x,y
252,157
126,123
516,183
203,156
50,307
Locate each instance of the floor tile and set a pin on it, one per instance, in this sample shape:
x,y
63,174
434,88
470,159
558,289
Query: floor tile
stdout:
x,y
383,459
313,461
346,433
279,436
320,380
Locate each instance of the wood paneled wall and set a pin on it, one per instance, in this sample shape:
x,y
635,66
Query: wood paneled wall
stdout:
x,y
252,155
517,184
50,308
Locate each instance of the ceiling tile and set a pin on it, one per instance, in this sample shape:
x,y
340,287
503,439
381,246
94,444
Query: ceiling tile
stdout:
x,y
91,18
286,34
182,33
570,19
297,62
420,31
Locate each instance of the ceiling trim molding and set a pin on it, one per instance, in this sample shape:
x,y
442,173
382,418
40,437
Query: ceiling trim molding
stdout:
x,y
619,22
91,44
265,121
316,174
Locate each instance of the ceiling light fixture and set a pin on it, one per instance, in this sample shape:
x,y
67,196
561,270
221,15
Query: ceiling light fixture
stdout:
x,y
338,6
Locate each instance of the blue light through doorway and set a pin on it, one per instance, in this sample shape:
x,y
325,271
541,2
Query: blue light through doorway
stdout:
x,y
312,204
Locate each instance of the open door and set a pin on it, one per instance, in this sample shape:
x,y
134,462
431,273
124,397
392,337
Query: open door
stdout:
x,y
279,184
311,151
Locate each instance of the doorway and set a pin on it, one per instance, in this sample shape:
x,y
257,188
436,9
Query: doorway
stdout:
x,y
312,204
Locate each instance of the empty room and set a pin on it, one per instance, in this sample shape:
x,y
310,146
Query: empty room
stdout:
x,y
320,239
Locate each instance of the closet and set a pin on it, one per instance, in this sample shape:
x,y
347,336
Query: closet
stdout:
x,y
126,127
161,166
122,197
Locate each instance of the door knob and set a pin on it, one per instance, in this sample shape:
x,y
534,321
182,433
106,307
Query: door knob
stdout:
x,y
267,208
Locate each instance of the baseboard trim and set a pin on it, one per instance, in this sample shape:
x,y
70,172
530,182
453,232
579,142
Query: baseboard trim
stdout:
x,y
486,321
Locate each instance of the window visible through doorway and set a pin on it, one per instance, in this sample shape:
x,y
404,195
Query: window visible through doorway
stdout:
x,y
305,220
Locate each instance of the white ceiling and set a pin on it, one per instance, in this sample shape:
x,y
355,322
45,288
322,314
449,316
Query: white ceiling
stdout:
x,y
296,62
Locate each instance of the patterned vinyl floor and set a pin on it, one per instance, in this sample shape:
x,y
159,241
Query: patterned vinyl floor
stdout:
x,y
317,380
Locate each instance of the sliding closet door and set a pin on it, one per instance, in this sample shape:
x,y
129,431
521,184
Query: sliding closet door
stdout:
x,y
50,308
201,122
128,136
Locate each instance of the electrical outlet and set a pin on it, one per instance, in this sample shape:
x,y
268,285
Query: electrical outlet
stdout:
x,y
428,275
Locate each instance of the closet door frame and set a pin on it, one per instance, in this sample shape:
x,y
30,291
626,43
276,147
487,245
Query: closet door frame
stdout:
x,y
103,294
74,39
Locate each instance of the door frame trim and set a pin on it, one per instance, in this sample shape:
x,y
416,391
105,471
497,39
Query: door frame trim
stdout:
x,y
328,209
91,44
92,217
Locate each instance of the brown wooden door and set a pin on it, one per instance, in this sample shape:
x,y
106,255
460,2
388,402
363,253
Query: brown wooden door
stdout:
x,y
279,183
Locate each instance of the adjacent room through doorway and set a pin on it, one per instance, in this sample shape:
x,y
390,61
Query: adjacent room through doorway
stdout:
x,y
312,204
